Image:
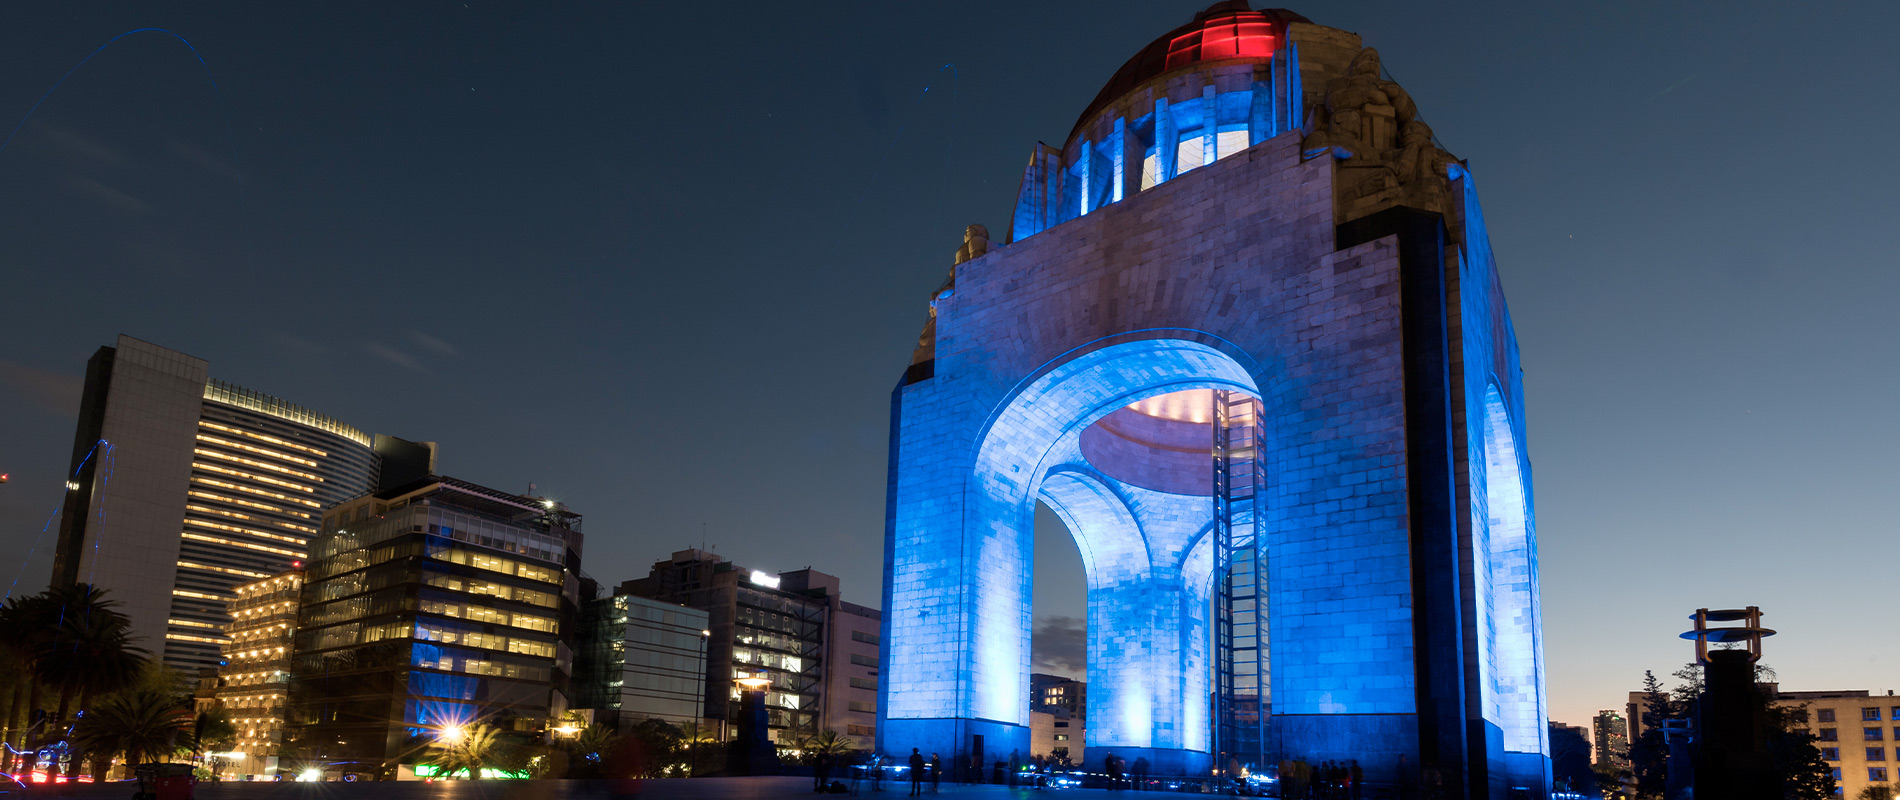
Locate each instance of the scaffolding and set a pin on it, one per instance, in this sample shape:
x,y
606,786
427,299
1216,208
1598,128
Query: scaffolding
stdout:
x,y
1241,690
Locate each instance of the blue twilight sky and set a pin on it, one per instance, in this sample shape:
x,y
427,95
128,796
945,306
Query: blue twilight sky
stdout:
x,y
668,261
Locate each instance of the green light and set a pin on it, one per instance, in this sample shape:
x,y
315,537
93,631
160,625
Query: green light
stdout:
x,y
433,771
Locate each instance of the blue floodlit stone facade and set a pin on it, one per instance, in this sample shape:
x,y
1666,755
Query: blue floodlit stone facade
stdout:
x,y
1248,206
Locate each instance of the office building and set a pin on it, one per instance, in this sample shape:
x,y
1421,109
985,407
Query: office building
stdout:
x,y
1057,736
430,606
1857,731
182,487
850,665
1055,691
1611,736
641,659
253,685
792,629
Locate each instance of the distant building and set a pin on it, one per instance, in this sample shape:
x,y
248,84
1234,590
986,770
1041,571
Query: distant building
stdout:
x,y
1570,759
1858,733
1611,732
1055,735
429,606
253,685
182,486
792,628
851,674
638,659
1055,691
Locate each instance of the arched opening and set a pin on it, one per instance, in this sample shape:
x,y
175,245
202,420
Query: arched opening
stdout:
x,y
1116,444
1505,577
1059,663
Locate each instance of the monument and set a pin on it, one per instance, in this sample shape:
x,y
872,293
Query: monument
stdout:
x,y
1245,336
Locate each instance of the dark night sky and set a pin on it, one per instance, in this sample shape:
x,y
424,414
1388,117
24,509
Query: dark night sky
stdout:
x,y
668,262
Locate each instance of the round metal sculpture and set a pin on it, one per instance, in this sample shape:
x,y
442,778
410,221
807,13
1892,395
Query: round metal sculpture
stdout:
x,y
1750,633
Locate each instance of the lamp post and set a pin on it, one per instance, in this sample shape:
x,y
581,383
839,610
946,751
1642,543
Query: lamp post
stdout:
x,y
699,716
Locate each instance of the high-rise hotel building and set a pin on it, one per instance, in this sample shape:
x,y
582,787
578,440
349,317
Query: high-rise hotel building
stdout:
x,y
254,683
182,487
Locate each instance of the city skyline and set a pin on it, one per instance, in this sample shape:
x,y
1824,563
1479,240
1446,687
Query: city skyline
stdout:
x,y
1694,360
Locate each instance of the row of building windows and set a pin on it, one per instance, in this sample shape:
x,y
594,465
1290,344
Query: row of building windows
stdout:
x,y
1868,734
1867,714
1873,754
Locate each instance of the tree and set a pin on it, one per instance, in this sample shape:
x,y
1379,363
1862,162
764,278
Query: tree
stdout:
x,y
213,730
468,748
658,745
89,653
1797,763
828,743
1877,792
1649,754
142,724
590,750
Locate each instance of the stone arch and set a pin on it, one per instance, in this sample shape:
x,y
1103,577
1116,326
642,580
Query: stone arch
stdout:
x,y
1147,672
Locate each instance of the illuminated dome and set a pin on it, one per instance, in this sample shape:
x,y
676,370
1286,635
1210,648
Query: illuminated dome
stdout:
x,y
1227,81
1224,31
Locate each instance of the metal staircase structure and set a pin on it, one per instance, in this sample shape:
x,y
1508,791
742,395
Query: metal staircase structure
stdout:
x,y
1241,691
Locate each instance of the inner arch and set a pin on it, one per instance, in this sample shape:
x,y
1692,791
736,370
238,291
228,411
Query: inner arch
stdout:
x,y
1136,498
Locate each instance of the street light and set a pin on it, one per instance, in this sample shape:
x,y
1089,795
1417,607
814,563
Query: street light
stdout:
x,y
699,717
451,733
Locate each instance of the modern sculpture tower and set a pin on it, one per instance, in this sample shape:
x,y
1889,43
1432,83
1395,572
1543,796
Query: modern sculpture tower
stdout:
x,y
1246,316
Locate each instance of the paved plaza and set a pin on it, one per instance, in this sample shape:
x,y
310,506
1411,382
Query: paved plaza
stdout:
x,y
758,788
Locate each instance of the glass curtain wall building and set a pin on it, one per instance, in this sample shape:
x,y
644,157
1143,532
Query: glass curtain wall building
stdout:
x,y
641,659
429,606
182,487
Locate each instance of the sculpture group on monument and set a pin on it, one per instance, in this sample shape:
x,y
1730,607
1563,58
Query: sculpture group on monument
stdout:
x,y
1245,336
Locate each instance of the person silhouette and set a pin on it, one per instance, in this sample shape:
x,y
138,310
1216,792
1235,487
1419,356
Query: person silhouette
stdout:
x,y
916,772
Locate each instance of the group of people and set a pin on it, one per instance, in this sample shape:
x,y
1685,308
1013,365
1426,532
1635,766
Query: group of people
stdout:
x,y
1331,780
1123,775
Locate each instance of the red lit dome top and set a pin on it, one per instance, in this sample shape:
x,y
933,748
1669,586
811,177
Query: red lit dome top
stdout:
x,y
1223,31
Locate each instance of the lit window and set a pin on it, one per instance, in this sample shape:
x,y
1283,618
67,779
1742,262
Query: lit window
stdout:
x,y
1830,754
1828,735
1151,175
1870,714
1229,142
1876,774
1876,754
1190,153
1872,734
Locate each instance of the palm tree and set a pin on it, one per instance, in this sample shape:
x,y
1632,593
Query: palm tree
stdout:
x,y
89,652
827,743
16,676
143,724
470,748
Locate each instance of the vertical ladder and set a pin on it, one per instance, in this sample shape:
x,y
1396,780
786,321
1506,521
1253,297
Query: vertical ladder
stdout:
x,y
1240,695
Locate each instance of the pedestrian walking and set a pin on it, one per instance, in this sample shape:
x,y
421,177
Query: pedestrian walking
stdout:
x,y
1141,771
936,774
916,773
1355,776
